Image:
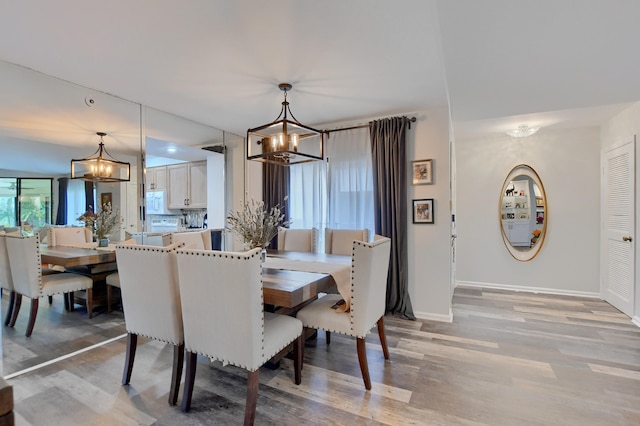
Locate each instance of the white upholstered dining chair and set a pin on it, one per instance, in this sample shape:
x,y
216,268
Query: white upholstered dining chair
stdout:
x,y
113,279
148,278
224,318
68,236
338,241
198,240
28,279
368,293
6,281
298,239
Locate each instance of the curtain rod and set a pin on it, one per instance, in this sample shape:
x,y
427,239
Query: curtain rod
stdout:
x,y
341,129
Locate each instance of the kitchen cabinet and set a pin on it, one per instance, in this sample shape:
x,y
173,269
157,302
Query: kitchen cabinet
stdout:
x,y
516,219
156,179
187,185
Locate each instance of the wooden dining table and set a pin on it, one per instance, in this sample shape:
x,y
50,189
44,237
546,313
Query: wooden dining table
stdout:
x,y
96,263
70,257
284,290
289,290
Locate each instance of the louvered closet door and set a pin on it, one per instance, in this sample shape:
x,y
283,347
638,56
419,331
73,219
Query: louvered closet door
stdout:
x,y
619,227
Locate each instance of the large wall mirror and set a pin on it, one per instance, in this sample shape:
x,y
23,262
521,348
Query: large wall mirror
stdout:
x,y
523,213
184,176
44,123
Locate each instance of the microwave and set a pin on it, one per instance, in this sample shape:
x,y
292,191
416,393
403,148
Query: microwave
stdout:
x,y
157,203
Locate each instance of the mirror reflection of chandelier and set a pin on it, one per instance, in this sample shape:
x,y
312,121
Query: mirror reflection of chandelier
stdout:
x,y
285,141
100,166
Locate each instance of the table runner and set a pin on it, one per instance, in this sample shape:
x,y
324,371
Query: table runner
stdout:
x,y
340,273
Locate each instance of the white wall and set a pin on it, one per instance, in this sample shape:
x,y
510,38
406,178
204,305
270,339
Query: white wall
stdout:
x,y
617,130
428,245
568,163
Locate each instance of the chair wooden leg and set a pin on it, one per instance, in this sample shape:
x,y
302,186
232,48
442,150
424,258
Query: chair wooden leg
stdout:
x,y
189,379
364,367
32,316
132,343
176,375
298,352
51,300
12,301
252,397
72,301
66,301
16,309
109,294
90,302
327,336
383,338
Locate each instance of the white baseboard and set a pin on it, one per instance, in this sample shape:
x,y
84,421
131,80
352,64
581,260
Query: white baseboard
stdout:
x,y
434,317
636,320
593,295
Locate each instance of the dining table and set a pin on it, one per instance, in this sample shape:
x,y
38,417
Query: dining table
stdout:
x,y
292,279
87,259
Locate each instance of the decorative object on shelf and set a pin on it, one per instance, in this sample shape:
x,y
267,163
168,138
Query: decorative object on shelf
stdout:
x,y
100,166
423,172
102,223
536,234
285,141
522,131
423,211
255,224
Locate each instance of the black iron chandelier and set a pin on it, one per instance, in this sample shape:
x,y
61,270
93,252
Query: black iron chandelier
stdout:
x,y
285,141
101,166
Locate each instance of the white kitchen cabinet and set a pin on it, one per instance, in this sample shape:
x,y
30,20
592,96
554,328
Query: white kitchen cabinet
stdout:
x,y
187,185
156,178
518,232
516,219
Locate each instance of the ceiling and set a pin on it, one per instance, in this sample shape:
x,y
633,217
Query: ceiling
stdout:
x,y
496,63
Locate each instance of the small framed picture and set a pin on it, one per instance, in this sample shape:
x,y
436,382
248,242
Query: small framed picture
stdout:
x,y
105,198
423,211
423,172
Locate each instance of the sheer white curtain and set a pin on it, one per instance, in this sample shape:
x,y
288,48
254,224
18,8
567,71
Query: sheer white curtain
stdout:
x,y
308,195
350,181
338,193
75,201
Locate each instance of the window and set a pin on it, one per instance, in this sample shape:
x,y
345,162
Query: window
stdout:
x,y
25,200
337,193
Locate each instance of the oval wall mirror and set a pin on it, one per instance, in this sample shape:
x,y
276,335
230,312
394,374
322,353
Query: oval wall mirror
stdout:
x,y
523,213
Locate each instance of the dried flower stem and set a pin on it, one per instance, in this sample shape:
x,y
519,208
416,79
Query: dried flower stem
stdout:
x,y
255,225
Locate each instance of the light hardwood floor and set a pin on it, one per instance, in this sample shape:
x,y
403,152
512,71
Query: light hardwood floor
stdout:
x,y
507,359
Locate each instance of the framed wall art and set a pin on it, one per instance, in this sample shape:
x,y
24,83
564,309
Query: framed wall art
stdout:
x,y
422,172
105,198
423,211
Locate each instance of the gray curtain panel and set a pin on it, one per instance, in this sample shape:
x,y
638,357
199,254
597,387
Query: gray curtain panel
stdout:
x,y
275,188
61,216
90,203
388,152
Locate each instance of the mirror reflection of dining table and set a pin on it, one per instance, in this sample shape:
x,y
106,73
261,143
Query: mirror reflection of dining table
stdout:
x,y
95,262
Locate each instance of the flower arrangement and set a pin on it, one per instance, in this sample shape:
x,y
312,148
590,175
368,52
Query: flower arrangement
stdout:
x,y
255,225
536,233
103,222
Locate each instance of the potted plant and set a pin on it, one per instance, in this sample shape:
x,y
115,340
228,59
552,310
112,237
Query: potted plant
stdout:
x,y
255,224
102,223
